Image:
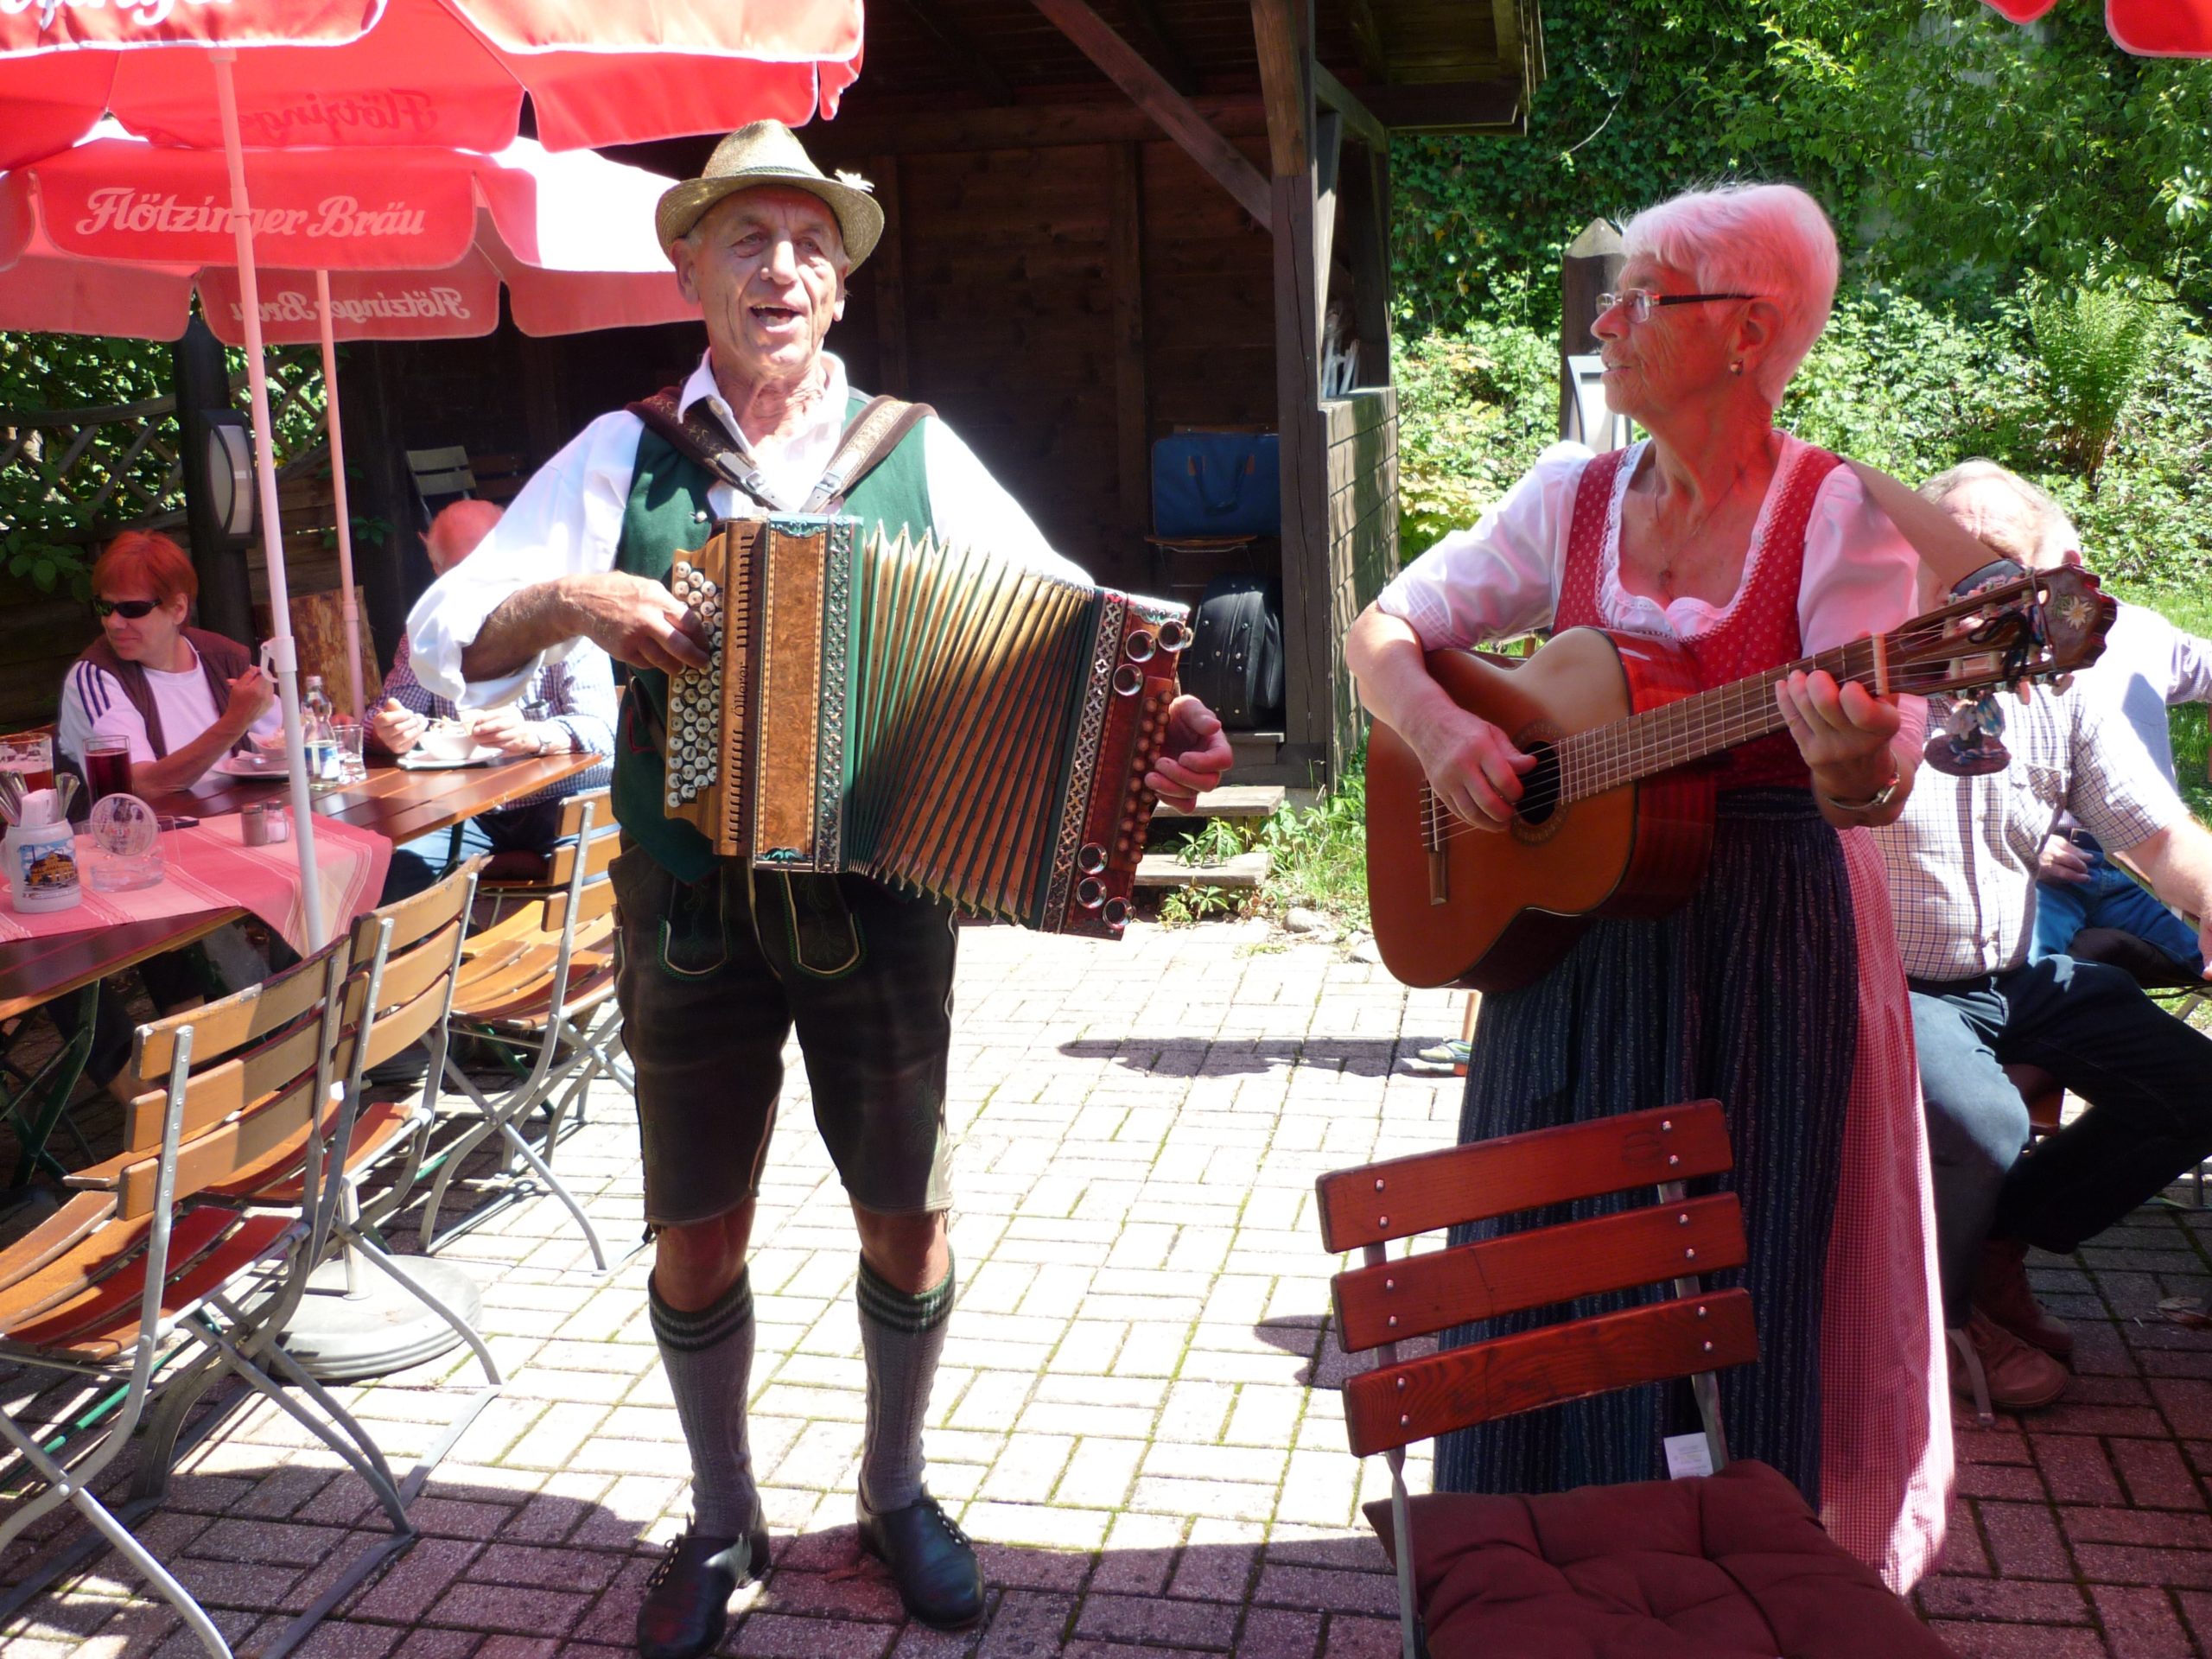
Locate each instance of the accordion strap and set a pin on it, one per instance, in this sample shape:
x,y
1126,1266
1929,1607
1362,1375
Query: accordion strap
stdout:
x,y
880,427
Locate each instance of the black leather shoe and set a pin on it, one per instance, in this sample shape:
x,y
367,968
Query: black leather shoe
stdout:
x,y
687,1599
931,1560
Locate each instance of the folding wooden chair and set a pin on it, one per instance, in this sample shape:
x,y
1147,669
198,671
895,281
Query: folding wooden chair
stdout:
x,y
397,995
1727,1566
539,985
144,1281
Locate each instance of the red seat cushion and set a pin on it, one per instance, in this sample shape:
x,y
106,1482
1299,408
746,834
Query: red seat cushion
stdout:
x,y
1734,1566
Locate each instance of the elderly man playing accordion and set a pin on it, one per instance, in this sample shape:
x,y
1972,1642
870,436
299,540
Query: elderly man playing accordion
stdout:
x,y
720,963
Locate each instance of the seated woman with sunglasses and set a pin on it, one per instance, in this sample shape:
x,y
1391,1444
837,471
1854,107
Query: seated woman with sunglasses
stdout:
x,y
182,696
1777,989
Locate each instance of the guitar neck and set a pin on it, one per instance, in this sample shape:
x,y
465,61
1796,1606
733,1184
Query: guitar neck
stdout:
x,y
1728,716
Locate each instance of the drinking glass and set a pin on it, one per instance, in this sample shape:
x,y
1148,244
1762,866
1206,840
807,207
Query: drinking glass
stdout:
x,y
107,768
353,766
30,754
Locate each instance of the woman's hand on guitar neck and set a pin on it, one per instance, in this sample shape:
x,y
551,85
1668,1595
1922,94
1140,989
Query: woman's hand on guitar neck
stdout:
x,y
1472,767
1844,733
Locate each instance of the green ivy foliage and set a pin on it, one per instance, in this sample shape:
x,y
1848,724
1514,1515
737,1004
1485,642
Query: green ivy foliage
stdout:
x,y
1958,153
48,531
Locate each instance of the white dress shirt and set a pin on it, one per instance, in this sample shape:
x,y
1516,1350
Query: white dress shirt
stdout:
x,y
2149,663
568,521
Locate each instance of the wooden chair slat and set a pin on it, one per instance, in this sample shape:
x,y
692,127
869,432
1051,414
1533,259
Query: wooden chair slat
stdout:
x,y
408,975
1417,1296
1395,1405
381,1122
59,1233
598,853
524,923
247,1143
104,1322
593,902
416,919
1404,1196
229,1086
77,1272
244,1017
405,1025
572,814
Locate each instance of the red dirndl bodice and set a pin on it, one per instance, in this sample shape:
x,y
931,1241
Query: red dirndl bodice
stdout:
x,y
1760,633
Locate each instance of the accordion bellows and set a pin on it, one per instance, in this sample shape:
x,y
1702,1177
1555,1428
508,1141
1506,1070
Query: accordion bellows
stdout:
x,y
949,721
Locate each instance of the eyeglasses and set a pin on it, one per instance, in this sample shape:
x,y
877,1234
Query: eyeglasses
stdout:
x,y
1640,301
132,609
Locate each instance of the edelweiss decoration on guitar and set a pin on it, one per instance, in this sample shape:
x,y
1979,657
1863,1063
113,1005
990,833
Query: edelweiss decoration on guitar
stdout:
x,y
1616,819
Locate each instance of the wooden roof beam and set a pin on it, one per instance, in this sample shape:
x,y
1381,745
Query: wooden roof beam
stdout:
x,y
1134,73
1358,120
1449,105
962,49
1152,34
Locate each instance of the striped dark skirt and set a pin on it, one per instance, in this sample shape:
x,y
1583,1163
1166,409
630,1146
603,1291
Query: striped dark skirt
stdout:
x,y
1747,994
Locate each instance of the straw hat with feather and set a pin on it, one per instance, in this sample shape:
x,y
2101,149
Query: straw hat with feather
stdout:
x,y
768,152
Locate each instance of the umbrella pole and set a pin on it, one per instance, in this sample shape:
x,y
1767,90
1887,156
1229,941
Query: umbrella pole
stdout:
x,y
347,605
283,656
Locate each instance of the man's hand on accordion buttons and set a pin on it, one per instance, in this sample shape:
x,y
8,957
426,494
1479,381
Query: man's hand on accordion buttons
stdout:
x,y
1192,757
635,621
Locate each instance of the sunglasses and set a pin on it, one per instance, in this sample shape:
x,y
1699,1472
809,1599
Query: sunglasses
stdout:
x,y
130,609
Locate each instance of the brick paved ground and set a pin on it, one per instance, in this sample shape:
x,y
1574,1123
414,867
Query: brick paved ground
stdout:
x,y
1126,1419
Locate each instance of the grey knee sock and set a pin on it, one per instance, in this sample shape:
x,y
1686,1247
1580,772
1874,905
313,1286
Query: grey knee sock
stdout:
x,y
901,1336
708,1358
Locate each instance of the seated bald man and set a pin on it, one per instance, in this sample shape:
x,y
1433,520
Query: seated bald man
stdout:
x,y
568,707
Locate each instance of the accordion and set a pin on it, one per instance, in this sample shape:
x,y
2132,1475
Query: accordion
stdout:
x,y
950,722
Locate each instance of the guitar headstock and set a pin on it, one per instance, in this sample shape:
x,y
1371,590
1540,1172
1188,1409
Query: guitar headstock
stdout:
x,y
2035,626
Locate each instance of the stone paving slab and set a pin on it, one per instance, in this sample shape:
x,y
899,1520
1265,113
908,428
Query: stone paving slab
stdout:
x,y
1136,1416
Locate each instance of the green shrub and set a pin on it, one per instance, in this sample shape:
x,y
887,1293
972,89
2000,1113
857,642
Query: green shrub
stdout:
x,y
2094,346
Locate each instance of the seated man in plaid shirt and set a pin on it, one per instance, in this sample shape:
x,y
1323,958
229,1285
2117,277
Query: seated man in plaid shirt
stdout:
x,y
569,706
1962,864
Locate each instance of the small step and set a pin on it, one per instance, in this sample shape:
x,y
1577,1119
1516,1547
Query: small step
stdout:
x,y
1231,801
1166,870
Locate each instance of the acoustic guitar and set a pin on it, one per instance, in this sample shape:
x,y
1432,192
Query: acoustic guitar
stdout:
x,y
1616,817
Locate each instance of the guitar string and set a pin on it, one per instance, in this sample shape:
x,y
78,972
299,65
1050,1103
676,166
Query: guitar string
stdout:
x,y
1615,756
1591,762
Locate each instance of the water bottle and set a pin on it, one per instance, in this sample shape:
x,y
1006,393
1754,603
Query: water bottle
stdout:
x,y
319,738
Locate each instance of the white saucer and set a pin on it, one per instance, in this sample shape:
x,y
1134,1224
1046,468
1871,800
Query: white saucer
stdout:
x,y
483,755
250,763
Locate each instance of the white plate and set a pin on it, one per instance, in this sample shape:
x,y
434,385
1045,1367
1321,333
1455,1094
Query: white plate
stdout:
x,y
250,763
483,755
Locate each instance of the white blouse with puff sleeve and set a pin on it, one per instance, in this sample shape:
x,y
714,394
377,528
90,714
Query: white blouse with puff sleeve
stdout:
x,y
1502,577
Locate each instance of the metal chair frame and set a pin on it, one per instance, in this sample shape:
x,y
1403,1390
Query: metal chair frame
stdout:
x,y
232,1328
559,1083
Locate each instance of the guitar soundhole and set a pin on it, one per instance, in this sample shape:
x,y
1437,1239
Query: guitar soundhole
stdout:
x,y
1539,789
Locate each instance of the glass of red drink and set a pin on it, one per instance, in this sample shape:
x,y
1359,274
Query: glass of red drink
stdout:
x,y
107,768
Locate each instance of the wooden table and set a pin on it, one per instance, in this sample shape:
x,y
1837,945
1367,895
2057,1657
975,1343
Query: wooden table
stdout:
x,y
398,802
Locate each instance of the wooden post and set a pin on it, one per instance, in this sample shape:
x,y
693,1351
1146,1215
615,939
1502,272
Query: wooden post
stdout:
x,y
1283,31
889,264
393,572
1132,400
1591,265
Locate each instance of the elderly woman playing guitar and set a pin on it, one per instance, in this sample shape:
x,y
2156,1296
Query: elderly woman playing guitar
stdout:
x,y
1776,989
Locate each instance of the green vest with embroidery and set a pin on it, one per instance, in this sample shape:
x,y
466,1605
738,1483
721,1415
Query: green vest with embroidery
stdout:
x,y
667,514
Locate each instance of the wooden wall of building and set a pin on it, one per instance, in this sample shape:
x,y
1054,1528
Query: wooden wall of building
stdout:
x,y
1362,448
1018,325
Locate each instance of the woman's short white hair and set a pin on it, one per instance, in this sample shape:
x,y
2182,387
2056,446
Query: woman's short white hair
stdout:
x,y
1769,240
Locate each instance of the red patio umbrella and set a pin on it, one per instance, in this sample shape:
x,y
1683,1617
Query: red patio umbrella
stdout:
x,y
2150,28
113,235
394,73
